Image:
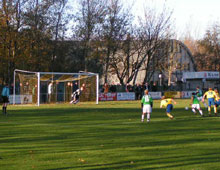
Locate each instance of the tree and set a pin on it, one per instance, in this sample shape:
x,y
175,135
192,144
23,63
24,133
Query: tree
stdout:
x,y
29,32
114,29
207,57
137,51
58,21
10,18
126,60
154,30
88,19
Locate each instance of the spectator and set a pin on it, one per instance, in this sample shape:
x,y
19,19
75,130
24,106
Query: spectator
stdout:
x,y
137,90
146,86
112,88
142,89
154,87
127,87
106,88
130,88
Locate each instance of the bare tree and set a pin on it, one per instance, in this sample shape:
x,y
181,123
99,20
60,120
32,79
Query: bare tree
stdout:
x,y
115,28
59,19
210,48
138,51
124,63
155,28
88,19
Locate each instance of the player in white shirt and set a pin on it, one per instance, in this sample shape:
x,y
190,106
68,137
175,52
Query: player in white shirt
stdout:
x,y
146,104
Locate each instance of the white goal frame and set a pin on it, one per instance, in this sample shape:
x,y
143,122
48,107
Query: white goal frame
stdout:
x,y
81,73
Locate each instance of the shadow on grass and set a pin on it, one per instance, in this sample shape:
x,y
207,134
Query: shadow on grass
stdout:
x,y
151,164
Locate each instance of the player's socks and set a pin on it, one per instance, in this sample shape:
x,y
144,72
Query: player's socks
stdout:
x,y
148,117
201,113
169,115
209,109
215,109
3,109
142,117
194,111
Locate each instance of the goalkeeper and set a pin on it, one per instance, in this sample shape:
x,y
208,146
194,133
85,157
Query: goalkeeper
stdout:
x,y
146,104
75,96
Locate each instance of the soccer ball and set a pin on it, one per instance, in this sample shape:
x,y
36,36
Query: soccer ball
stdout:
x,y
186,108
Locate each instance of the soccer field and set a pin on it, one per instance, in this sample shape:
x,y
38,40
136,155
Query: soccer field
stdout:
x,y
108,136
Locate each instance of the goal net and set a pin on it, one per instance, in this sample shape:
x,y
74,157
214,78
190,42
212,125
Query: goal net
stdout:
x,y
53,87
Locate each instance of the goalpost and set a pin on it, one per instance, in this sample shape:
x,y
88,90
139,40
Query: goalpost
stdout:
x,y
53,87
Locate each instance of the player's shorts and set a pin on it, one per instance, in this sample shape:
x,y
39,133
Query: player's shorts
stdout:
x,y
147,108
77,97
5,99
211,101
196,106
217,103
169,108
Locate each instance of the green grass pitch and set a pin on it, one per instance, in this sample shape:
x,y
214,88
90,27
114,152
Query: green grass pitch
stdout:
x,y
108,136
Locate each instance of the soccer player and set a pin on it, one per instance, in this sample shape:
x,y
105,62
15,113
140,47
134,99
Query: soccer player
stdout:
x,y
146,104
199,96
166,102
76,94
50,91
210,95
195,104
5,97
217,101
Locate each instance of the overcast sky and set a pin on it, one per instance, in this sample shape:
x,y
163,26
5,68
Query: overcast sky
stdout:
x,y
189,15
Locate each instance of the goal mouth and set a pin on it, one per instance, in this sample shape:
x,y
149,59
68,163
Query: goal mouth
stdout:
x,y
53,87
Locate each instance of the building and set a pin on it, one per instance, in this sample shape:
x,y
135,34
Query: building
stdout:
x,y
176,59
203,79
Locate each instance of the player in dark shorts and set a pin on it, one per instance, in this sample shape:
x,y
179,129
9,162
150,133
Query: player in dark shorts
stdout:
x,y
76,94
5,98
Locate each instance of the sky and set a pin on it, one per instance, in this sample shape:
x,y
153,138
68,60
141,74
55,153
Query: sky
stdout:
x,y
190,16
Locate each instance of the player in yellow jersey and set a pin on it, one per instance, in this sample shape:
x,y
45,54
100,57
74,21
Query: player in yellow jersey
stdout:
x,y
217,101
210,95
168,103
